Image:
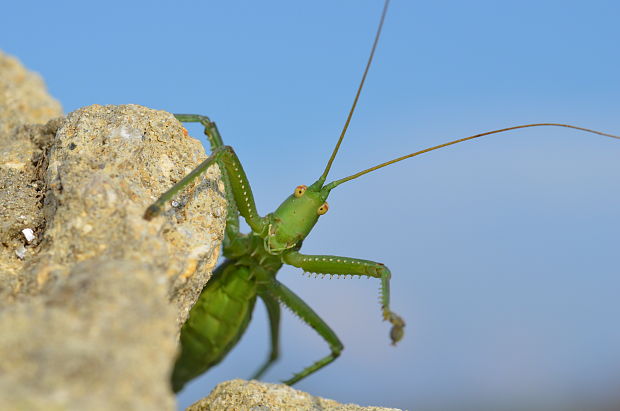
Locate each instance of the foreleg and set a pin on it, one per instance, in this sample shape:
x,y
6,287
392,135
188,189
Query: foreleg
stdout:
x,y
329,264
239,186
215,140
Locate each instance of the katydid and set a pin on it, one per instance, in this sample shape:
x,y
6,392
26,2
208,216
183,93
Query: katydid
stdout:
x,y
222,312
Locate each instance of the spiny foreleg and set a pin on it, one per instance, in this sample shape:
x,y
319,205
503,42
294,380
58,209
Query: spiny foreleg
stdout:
x,y
215,140
329,264
239,185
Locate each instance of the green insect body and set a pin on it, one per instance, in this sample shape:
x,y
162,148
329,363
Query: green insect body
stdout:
x,y
223,310
232,290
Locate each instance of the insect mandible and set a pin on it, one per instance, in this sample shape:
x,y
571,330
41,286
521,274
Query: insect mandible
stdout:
x,y
220,316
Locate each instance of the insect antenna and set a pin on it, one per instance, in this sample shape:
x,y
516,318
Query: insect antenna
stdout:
x,y
417,153
357,94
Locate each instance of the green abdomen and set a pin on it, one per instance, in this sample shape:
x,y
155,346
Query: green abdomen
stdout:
x,y
216,322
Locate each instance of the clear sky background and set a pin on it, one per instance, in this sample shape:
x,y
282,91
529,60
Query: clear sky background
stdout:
x,y
504,251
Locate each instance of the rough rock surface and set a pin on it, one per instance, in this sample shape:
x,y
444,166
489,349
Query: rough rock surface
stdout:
x,y
86,291
23,100
23,97
258,396
104,167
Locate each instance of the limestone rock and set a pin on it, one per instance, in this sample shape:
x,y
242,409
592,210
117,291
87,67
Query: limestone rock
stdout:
x,y
91,343
23,97
23,101
105,166
258,396
91,294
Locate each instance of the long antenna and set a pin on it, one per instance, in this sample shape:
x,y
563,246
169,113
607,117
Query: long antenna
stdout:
x,y
417,153
357,95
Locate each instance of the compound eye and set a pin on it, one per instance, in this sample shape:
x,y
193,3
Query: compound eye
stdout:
x,y
299,191
323,209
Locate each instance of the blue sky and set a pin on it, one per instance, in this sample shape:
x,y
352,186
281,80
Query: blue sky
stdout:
x,y
503,251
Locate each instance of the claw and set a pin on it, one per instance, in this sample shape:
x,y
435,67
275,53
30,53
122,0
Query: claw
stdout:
x,y
151,212
398,327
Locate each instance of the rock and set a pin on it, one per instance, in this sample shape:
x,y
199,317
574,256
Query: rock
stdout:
x,y
22,191
91,306
259,396
105,166
23,100
23,97
91,343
